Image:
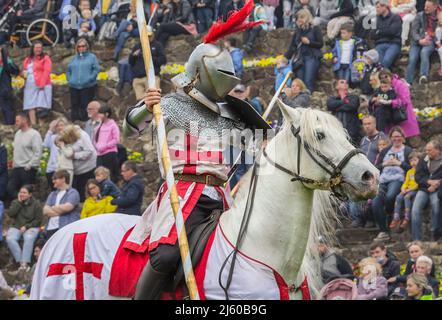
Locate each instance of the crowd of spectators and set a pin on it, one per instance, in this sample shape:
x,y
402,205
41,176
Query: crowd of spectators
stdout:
x,y
379,276
82,174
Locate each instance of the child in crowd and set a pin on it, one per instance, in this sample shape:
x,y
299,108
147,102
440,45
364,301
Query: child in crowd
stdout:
x,y
381,104
371,284
382,144
405,197
281,69
236,54
71,20
65,142
107,187
438,35
85,31
344,52
371,66
86,16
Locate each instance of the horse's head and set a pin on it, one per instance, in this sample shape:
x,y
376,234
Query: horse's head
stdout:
x,y
324,158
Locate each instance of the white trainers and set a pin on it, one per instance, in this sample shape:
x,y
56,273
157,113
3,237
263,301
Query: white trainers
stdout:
x,y
423,80
382,236
24,267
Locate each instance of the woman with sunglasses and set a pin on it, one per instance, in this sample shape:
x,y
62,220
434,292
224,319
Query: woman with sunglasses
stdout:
x,y
82,77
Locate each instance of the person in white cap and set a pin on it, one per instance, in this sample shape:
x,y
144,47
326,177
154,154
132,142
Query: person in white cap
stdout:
x,y
372,65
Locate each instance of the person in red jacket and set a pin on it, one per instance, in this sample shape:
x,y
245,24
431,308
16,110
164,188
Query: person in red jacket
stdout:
x,y
38,88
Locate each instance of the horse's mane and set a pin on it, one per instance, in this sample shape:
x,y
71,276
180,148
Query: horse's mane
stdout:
x,y
324,221
311,119
325,210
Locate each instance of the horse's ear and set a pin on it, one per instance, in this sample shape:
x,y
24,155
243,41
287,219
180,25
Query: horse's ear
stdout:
x,y
286,110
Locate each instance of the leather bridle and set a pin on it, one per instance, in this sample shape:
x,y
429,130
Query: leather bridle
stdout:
x,y
335,171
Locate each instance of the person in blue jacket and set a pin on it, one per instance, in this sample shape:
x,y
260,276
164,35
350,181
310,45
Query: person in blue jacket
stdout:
x,y
82,78
131,197
236,54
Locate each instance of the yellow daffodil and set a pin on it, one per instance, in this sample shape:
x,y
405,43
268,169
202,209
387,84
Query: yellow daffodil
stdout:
x,y
102,76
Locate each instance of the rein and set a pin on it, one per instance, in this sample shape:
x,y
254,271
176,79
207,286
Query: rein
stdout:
x,y
335,180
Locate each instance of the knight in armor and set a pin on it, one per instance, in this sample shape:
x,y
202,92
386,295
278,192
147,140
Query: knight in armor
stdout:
x,y
197,119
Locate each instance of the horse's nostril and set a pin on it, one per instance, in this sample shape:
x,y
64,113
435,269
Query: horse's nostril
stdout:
x,y
367,175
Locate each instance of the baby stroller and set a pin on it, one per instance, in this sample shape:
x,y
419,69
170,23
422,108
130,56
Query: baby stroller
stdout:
x,y
339,289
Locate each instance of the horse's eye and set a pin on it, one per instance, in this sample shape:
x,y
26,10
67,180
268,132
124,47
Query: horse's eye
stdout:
x,y
320,136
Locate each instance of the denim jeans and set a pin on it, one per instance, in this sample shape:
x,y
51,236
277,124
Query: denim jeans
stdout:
x,y
124,71
388,53
344,72
404,201
356,211
383,203
308,71
123,35
2,210
416,213
29,237
417,53
204,17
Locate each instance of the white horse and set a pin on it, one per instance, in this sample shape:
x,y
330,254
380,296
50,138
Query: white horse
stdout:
x,y
278,247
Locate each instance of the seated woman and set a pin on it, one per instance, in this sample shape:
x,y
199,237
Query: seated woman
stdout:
x,y
371,284
26,213
418,288
182,22
423,266
96,203
393,162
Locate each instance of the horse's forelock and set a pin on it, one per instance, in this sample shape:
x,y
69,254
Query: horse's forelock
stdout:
x,y
312,119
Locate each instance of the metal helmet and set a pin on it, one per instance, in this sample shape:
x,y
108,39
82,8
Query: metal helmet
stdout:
x,y
210,70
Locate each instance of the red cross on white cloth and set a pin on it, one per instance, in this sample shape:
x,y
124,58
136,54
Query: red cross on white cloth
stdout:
x,y
79,266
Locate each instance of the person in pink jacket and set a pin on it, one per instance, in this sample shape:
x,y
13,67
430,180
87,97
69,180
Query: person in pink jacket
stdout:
x,y
106,137
38,88
409,126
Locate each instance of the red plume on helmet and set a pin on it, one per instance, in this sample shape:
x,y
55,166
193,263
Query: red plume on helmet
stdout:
x,y
235,23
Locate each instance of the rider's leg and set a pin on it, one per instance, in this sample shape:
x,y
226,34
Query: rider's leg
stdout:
x,y
158,272
163,261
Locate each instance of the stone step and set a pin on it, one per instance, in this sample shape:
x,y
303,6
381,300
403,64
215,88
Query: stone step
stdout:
x,y
349,236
